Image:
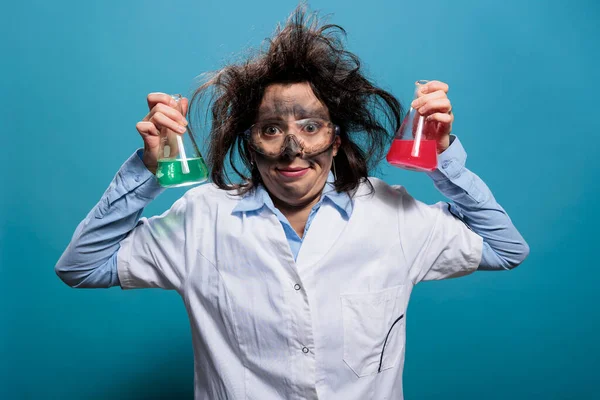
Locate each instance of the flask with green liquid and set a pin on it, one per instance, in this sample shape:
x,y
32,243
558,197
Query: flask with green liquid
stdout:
x,y
180,162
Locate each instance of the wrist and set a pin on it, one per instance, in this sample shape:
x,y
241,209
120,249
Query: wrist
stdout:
x,y
149,162
443,144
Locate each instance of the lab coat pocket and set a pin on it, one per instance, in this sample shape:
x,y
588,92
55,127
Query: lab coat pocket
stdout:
x,y
374,329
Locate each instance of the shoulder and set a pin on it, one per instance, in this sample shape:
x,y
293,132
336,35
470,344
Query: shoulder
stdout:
x,y
379,193
375,189
209,191
210,197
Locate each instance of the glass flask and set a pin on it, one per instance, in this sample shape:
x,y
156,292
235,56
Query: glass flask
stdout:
x,y
180,162
414,148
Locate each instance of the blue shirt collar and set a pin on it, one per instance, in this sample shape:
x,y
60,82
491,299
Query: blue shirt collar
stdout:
x,y
258,197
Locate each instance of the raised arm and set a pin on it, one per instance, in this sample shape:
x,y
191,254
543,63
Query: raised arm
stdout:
x,y
472,200
475,205
90,260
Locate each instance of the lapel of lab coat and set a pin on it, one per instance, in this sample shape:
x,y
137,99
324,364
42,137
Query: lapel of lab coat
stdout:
x,y
324,232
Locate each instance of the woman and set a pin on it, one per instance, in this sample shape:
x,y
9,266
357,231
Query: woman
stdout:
x,y
297,279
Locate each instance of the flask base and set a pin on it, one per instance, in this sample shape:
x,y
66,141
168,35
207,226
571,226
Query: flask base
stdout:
x,y
170,172
400,155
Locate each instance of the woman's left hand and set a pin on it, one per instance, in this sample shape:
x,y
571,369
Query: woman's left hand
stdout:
x,y
433,103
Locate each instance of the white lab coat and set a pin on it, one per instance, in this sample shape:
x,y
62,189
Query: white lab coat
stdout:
x,y
266,327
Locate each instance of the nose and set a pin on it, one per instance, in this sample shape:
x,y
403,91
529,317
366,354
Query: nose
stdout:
x,y
292,147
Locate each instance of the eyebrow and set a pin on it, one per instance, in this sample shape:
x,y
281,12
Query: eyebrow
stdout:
x,y
297,111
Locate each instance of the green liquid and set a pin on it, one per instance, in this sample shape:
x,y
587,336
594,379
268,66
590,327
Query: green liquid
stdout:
x,y
170,174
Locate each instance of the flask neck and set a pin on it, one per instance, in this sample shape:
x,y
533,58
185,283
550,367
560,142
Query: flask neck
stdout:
x,y
418,85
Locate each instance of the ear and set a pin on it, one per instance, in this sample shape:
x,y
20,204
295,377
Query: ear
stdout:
x,y
336,145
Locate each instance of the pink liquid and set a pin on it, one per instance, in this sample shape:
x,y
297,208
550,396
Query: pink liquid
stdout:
x,y
400,155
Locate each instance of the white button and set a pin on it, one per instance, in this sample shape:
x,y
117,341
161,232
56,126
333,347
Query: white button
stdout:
x,y
305,350
297,287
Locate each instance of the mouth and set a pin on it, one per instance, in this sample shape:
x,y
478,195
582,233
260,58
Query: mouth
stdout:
x,y
292,172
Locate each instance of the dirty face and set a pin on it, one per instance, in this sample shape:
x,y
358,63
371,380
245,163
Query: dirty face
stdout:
x,y
292,177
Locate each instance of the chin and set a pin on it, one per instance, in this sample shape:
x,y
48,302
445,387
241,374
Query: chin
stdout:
x,y
296,193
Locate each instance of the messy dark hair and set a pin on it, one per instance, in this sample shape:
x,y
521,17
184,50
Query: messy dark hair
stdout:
x,y
303,50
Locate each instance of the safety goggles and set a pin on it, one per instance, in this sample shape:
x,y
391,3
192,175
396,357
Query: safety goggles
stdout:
x,y
309,137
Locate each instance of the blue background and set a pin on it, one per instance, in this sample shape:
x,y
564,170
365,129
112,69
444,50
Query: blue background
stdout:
x,y
524,84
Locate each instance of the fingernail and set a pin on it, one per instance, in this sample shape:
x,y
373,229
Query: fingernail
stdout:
x,y
181,129
413,104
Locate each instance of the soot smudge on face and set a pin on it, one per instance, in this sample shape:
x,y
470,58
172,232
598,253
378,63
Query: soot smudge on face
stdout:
x,y
280,109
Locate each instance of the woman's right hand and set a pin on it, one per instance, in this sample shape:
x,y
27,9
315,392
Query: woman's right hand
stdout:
x,y
163,113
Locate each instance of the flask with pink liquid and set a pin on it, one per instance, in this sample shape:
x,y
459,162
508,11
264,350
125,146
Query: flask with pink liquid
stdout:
x,y
412,147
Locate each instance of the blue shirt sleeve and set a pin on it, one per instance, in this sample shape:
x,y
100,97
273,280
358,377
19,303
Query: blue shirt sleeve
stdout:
x,y
90,260
474,204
